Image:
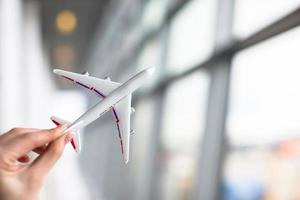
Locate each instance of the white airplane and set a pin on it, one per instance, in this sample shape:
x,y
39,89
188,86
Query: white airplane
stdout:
x,y
115,97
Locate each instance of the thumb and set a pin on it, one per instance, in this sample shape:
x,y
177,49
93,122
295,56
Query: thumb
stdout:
x,y
44,163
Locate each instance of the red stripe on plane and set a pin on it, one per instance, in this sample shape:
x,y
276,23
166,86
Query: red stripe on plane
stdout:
x,y
55,122
72,140
73,144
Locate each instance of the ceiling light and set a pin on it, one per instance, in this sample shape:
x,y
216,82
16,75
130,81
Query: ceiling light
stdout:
x,y
64,56
66,21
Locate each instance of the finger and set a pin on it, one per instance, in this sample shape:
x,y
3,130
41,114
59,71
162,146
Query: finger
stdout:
x,y
28,141
44,163
18,131
24,159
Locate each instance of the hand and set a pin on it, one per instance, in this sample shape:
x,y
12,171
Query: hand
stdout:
x,y
24,181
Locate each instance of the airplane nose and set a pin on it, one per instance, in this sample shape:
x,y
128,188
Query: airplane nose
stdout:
x,y
151,70
56,71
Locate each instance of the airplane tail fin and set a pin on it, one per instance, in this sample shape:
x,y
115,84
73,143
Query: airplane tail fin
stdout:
x,y
76,134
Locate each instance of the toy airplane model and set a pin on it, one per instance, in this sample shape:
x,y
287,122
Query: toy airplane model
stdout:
x,y
115,97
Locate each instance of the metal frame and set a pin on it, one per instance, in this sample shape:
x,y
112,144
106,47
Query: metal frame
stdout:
x,y
210,165
101,48
155,149
284,24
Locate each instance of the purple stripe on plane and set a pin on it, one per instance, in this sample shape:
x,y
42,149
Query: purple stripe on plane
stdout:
x,y
82,85
120,137
102,95
119,131
68,78
116,115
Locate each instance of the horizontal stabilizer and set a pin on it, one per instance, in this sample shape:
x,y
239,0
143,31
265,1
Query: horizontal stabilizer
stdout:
x,y
75,141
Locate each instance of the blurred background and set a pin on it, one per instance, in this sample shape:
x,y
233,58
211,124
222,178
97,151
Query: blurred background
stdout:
x,y
219,120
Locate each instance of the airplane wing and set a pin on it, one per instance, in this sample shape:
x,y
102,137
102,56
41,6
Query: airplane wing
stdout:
x,y
75,141
101,87
122,112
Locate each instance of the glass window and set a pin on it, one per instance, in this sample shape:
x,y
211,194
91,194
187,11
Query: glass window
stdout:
x,y
191,35
263,121
151,57
153,14
183,121
266,12
143,124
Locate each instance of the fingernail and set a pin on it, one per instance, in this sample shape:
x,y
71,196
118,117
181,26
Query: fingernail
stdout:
x,y
68,138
